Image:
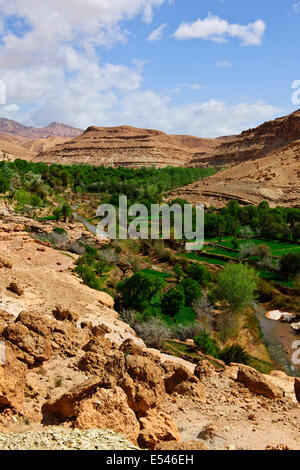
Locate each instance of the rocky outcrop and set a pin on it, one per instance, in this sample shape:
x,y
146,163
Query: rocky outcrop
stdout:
x,y
258,383
12,381
126,146
156,427
143,384
108,409
179,379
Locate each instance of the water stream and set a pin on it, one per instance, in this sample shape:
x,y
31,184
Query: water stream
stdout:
x,y
279,337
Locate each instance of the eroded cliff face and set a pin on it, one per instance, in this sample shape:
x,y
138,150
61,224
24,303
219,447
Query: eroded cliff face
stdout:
x,y
127,146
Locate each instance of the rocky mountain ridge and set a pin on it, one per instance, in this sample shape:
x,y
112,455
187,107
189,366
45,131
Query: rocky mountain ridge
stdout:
x,y
126,146
11,127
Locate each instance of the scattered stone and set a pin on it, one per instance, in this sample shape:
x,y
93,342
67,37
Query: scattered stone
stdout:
x,y
58,438
157,427
258,383
15,288
208,432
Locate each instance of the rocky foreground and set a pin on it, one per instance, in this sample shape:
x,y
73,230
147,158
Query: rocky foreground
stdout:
x,y
57,438
72,367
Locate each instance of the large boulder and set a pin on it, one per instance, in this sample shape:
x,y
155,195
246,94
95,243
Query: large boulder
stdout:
x,y
66,406
178,379
156,427
258,383
12,381
29,347
108,409
297,388
143,384
204,369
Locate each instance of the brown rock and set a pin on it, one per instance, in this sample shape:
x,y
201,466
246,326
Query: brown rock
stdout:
x,y
14,287
130,347
143,385
297,388
208,432
156,427
258,383
204,369
66,406
180,380
108,409
12,381
5,264
65,314
36,347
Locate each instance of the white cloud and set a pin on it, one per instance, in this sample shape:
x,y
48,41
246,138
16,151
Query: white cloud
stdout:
x,y
157,34
192,86
205,119
54,72
218,30
224,63
296,7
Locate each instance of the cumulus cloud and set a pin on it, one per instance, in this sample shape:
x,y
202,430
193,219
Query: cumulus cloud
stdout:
x,y
157,34
216,29
205,119
53,71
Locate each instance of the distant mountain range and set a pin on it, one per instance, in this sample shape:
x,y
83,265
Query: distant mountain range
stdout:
x,y
8,126
261,163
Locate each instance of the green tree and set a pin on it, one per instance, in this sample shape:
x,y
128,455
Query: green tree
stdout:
x,y
199,273
236,285
66,212
207,345
191,289
4,184
178,272
140,290
290,264
172,302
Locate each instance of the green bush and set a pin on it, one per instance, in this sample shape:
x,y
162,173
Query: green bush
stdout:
x,y
235,353
191,290
172,302
199,273
4,184
207,345
236,285
59,230
140,291
290,264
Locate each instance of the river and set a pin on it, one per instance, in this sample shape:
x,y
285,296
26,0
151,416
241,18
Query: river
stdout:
x,y
279,337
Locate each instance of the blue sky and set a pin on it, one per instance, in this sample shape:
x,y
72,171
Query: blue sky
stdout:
x,y
201,67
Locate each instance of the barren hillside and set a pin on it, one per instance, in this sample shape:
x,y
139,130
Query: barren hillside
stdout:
x,y
9,126
126,146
